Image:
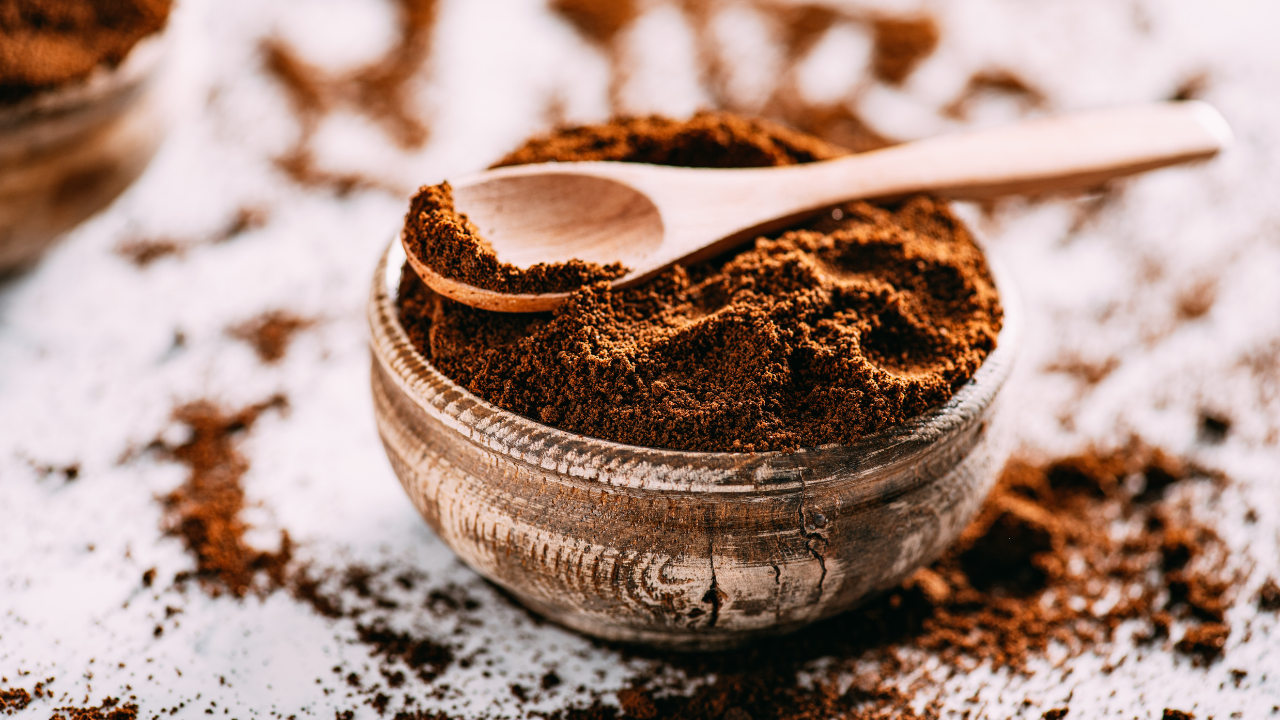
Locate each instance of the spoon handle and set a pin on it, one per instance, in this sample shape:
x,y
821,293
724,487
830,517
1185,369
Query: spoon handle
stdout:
x,y
1057,153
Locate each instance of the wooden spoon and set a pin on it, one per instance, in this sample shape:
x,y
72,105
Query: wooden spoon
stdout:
x,y
649,216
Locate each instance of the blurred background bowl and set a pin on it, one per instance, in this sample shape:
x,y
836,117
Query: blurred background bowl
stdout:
x,y
67,152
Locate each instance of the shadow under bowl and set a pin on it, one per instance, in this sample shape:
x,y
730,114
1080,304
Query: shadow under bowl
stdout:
x,y
683,550
67,152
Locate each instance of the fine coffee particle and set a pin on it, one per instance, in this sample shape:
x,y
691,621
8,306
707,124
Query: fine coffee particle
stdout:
x,y
270,333
848,325
14,700
47,43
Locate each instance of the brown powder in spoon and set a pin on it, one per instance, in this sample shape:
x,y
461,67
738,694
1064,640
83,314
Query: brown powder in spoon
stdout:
x,y
46,43
833,331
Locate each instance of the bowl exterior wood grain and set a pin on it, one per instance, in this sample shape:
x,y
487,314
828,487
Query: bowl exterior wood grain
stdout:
x,y
678,549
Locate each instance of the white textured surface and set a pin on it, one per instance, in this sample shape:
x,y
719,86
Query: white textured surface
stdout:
x,y
89,367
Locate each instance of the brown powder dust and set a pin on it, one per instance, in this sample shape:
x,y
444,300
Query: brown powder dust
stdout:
x,y
143,251
270,333
47,43
1074,552
833,331
205,510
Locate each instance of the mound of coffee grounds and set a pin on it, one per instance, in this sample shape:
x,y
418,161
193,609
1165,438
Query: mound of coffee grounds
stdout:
x,y
706,140
825,334
205,510
270,333
53,42
447,241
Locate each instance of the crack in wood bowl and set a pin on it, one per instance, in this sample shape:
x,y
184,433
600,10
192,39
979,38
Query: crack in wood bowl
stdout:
x,y
683,550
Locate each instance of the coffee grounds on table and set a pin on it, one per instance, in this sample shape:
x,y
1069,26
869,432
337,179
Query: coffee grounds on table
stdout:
x,y
847,325
47,43
205,510
270,333
110,709
1074,553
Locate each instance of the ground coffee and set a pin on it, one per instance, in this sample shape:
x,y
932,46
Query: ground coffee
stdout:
x,y
47,43
852,323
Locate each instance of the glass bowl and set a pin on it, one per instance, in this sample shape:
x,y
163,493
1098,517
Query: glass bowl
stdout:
x,y
684,550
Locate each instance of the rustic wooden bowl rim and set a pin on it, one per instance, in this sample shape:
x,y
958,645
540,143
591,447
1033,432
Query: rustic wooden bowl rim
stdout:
x,y
572,457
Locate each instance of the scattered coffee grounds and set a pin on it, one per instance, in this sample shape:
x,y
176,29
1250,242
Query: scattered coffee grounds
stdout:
x,y
900,45
381,90
1269,596
143,251
14,700
270,333
1171,714
997,82
205,510
598,21
110,709
823,335
447,241
48,43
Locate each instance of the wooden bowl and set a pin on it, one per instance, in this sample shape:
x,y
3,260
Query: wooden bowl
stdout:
x,y
67,152
683,550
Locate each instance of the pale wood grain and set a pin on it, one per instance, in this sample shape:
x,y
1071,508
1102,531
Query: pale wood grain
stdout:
x,y
679,549
648,217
